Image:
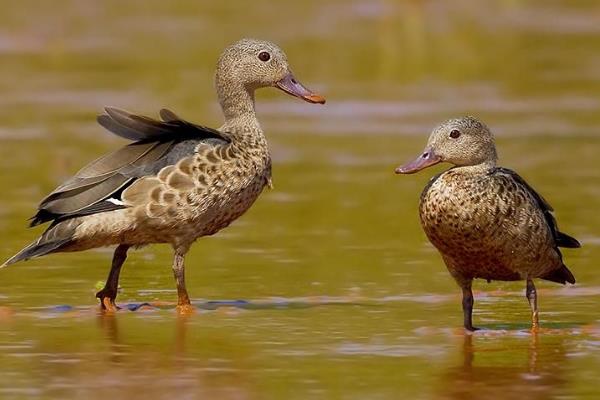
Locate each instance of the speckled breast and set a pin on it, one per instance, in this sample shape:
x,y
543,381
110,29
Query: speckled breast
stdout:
x,y
462,219
199,195
227,191
230,204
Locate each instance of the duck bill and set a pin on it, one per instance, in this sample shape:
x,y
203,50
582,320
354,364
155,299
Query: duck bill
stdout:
x,y
427,159
290,85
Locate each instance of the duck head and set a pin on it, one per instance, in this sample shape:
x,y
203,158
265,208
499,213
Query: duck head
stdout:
x,y
254,64
461,142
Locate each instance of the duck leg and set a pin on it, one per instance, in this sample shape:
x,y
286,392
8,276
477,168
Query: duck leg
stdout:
x,y
531,295
184,306
467,305
108,294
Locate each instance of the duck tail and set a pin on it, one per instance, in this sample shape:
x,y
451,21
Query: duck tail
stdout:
x,y
35,249
564,240
53,239
561,275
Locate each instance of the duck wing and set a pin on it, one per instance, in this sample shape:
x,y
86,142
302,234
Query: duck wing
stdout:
x,y
560,239
156,144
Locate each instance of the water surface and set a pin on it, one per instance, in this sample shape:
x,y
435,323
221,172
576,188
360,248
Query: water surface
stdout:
x,y
327,287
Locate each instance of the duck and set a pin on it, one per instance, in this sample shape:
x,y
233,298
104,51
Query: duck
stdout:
x,y
175,181
486,221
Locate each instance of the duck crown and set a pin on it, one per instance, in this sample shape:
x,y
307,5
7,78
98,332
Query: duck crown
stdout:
x,y
251,63
463,141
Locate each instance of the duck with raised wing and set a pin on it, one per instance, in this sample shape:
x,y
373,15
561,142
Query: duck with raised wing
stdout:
x,y
177,181
485,220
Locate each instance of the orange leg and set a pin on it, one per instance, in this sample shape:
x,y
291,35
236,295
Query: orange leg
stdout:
x,y
108,294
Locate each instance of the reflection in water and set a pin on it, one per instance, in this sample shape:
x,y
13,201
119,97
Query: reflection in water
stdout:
x,y
335,251
109,327
160,371
108,324
488,371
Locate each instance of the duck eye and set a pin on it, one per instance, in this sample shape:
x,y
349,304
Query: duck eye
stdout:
x,y
264,56
454,133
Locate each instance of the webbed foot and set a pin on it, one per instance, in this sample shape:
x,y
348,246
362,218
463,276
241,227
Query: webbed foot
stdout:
x,y
185,309
107,300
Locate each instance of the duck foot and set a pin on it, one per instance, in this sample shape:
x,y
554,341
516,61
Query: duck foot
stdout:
x,y
108,294
107,301
186,309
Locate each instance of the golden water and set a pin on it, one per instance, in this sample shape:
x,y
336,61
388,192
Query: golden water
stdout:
x,y
326,288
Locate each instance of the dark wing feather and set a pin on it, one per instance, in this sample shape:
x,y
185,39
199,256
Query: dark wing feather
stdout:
x,y
77,199
168,115
158,144
561,239
106,166
129,125
146,127
113,126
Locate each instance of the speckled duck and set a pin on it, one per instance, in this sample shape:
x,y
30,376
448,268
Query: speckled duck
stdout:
x,y
485,220
177,181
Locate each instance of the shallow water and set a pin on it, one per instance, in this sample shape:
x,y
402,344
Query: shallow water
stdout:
x,y
326,288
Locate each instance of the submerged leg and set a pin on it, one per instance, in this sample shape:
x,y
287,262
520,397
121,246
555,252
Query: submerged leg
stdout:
x,y
531,294
467,305
108,294
184,306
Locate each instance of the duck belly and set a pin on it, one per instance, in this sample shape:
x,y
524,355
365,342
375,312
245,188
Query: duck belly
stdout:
x,y
482,234
200,212
203,213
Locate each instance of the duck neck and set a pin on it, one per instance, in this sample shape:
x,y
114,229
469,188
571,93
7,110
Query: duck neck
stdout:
x,y
237,103
483,167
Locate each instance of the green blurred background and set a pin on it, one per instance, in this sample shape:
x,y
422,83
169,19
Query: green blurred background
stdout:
x,y
343,296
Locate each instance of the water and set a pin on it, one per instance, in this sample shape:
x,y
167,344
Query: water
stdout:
x,y
327,287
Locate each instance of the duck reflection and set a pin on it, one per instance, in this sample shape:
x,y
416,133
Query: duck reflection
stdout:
x,y
159,363
110,328
493,368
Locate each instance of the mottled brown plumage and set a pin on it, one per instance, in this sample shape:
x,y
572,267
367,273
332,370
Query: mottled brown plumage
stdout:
x,y
177,181
486,221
